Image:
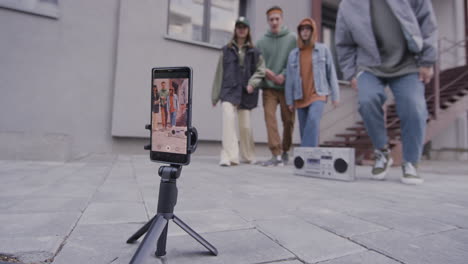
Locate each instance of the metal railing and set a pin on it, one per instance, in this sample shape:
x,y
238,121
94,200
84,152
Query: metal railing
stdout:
x,y
436,86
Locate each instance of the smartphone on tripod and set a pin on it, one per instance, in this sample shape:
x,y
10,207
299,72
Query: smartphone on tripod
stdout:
x,y
171,114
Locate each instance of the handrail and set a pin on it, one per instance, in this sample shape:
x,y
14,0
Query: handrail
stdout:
x,y
436,82
436,98
459,77
456,44
436,86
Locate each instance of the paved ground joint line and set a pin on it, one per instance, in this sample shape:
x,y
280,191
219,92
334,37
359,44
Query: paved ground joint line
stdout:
x,y
277,242
352,241
139,190
82,212
279,261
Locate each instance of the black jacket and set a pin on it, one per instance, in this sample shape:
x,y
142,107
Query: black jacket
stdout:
x,y
236,77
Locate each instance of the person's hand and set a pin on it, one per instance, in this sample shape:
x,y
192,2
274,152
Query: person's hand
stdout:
x,y
250,89
335,104
291,108
425,74
354,84
270,75
279,80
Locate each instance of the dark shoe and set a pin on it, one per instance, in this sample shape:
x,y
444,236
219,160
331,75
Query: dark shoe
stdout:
x,y
273,162
410,175
285,158
383,162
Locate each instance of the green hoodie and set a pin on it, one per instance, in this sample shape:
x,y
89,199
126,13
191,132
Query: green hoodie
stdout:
x,y
275,49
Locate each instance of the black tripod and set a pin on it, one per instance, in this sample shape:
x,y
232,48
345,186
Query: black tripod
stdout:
x,y
156,228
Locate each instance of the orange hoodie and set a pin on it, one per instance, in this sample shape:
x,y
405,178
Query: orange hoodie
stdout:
x,y
309,94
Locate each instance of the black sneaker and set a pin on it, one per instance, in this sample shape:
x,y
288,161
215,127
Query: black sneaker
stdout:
x,y
410,175
383,162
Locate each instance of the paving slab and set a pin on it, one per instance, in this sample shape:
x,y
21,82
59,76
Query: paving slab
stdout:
x,y
98,244
118,191
413,225
430,249
286,262
338,223
47,204
42,233
251,213
308,242
367,257
114,213
242,246
210,221
36,224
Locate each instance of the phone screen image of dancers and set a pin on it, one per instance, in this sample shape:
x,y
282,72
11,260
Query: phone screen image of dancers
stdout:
x,y
169,99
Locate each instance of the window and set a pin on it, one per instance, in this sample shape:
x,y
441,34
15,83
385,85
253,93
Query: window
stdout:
x,y
209,21
48,8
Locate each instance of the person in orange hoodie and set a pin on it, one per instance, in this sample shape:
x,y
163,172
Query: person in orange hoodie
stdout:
x,y
310,80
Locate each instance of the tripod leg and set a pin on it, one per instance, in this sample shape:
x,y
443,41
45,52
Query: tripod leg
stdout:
x,y
153,234
141,231
196,236
161,247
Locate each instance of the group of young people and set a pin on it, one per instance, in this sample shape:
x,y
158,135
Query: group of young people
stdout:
x,y
379,43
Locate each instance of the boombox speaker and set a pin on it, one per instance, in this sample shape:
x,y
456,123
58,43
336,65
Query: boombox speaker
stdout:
x,y
327,163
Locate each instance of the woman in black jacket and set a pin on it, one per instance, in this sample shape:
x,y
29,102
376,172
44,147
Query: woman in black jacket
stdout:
x,y
240,70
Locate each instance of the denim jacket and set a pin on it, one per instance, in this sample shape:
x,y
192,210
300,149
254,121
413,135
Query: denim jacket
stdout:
x,y
326,82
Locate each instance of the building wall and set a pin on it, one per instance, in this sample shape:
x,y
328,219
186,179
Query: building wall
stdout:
x,y
143,44
57,81
81,84
450,17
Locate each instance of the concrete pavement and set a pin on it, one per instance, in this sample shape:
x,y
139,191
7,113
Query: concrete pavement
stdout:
x,y
83,211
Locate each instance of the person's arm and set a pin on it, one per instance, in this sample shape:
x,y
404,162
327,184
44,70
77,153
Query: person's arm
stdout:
x,y
289,85
424,13
259,73
292,45
427,23
346,48
332,78
218,81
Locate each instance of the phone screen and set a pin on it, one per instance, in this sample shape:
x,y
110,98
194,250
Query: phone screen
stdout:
x,y
170,115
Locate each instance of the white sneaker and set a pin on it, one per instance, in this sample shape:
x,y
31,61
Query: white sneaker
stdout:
x,y
273,162
410,174
383,162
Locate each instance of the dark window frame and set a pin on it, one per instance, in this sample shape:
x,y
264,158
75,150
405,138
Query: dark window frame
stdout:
x,y
39,8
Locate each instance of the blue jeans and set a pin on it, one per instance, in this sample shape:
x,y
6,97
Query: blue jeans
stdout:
x,y
173,118
309,123
411,108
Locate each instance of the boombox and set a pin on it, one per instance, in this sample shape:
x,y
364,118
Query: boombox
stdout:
x,y
328,163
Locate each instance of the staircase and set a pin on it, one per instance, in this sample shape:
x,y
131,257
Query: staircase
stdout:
x,y
446,97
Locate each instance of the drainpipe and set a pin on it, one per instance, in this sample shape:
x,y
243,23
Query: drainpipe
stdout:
x,y
437,83
466,31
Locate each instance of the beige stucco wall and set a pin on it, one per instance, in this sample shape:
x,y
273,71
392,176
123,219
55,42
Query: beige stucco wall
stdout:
x,y
450,17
